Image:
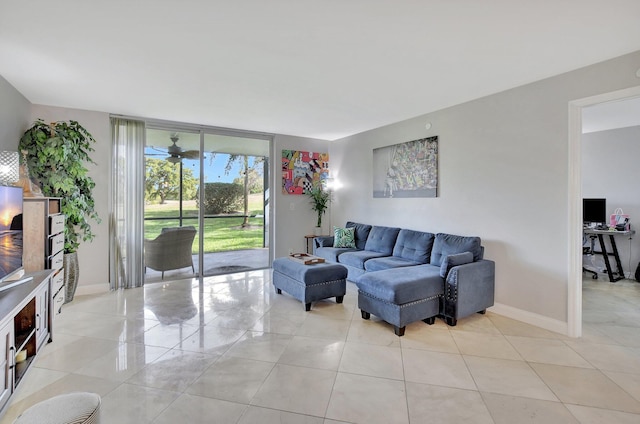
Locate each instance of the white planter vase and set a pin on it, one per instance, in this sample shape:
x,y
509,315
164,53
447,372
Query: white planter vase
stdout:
x,y
317,231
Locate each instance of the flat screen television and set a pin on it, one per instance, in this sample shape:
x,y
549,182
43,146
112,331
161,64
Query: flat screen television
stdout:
x,y
11,266
594,211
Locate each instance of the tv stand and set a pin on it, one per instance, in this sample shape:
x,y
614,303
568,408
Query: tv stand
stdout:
x,y
25,327
7,284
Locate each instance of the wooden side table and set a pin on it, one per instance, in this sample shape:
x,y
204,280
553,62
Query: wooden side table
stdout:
x,y
309,239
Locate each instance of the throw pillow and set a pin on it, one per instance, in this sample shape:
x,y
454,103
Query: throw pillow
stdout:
x,y
344,237
450,261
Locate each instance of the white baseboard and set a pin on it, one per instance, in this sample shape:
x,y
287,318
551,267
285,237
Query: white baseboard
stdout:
x,y
83,290
531,318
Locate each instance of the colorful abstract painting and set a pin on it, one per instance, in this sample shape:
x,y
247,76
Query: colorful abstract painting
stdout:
x,y
303,170
406,170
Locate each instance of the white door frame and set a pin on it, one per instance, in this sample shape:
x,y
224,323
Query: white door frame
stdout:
x,y
574,286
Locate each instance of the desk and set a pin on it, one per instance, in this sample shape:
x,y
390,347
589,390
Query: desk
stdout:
x,y
612,234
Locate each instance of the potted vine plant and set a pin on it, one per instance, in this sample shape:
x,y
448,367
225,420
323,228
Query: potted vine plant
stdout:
x,y
319,203
56,157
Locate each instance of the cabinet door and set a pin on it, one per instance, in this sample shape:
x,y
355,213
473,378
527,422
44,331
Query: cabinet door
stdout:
x,y
42,315
7,358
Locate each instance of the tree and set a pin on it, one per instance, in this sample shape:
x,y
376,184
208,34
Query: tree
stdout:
x,y
256,180
220,198
245,174
163,181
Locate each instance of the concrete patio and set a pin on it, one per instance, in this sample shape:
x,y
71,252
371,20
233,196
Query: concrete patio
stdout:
x,y
216,264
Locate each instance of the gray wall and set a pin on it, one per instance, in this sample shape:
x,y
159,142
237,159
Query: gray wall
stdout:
x,y
503,176
93,257
14,116
293,215
610,169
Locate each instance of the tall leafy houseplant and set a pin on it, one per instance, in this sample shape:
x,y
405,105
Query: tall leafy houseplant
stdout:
x,y
319,202
57,154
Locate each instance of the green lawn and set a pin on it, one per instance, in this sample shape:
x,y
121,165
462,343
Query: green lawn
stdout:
x,y
221,233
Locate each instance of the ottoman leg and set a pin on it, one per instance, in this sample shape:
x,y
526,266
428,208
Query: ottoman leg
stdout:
x,y
307,306
482,312
339,299
451,321
278,291
430,321
365,314
398,330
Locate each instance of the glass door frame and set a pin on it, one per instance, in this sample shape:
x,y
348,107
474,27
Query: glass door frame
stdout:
x,y
203,130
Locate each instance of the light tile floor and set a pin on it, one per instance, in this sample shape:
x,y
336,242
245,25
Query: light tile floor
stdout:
x,y
232,351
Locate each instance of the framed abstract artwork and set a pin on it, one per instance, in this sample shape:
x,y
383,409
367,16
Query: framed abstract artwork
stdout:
x,y
407,169
303,170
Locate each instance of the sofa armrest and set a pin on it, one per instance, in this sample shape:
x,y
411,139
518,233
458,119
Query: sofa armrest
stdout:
x,y
323,241
455,259
469,288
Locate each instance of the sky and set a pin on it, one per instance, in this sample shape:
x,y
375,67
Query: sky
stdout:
x,y
214,169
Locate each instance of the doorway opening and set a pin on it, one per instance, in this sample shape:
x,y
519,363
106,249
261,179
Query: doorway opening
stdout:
x,y
575,230
212,182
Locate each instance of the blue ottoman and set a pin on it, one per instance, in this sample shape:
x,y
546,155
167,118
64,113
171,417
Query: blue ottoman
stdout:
x,y
401,295
309,283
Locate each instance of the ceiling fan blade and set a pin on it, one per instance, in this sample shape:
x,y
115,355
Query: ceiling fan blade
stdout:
x,y
190,154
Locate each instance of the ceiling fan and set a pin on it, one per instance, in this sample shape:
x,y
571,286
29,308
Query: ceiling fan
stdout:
x,y
177,153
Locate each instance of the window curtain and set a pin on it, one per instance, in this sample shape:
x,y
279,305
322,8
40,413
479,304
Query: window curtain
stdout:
x,y
126,222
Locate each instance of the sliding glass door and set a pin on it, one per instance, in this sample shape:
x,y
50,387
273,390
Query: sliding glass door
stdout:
x,y
216,182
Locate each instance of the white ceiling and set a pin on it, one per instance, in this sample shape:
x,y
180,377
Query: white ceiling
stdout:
x,y
324,69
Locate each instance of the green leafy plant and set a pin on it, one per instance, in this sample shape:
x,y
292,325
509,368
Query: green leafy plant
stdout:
x,y
56,158
319,202
220,198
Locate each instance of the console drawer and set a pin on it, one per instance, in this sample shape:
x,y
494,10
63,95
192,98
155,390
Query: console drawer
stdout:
x,y
56,261
56,224
58,301
56,243
57,281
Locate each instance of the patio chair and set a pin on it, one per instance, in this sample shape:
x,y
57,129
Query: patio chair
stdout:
x,y
170,250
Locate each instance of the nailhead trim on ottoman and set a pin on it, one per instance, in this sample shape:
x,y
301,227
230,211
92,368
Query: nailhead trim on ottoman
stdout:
x,y
70,408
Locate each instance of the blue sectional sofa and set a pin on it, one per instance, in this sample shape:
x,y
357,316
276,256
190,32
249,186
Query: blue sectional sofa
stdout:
x,y
405,275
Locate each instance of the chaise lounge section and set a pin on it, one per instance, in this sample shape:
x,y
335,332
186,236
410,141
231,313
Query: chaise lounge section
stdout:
x,y
405,275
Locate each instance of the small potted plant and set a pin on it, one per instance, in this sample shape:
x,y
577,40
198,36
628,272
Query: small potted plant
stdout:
x,y
320,199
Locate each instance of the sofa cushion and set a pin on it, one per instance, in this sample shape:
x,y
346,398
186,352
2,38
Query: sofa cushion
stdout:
x,y
344,237
414,245
357,258
382,240
386,262
403,285
361,233
456,259
449,244
331,254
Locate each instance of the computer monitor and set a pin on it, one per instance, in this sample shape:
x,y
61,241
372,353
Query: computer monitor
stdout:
x,y
594,211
